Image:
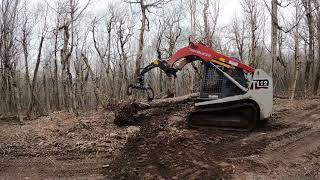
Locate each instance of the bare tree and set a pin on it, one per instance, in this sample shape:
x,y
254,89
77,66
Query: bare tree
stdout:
x,y
144,7
274,33
238,35
172,32
317,79
193,11
9,93
209,32
297,62
254,13
310,60
45,83
107,52
25,41
104,53
94,78
72,14
34,100
56,76
124,32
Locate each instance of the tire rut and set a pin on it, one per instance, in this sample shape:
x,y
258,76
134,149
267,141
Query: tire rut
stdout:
x,y
290,152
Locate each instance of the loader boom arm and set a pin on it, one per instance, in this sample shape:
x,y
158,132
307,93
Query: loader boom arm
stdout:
x,y
201,52
193,52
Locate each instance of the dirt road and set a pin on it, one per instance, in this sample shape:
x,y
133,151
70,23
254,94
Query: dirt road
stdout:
x,y
163,147
60,146
285,148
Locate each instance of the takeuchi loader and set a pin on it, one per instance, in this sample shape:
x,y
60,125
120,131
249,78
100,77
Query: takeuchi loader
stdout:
x,y
233,95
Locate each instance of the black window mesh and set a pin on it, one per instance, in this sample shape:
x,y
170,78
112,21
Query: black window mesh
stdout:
x,y
215,83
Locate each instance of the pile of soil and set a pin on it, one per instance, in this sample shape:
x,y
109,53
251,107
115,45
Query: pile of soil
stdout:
x,y
166,148
125,115
162,146
60,145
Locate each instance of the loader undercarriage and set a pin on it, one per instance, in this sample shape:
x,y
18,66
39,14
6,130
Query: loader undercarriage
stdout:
x,y
237,115
240,115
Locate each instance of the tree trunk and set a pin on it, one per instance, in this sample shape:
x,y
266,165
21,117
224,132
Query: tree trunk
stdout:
x,y
139,58
274,33
193,8
161,81
17,96
238,31
208,40
66,74
56,80
34,102
96,90
297,63
109,45
26,53
253,46
46,89
310,59
317,79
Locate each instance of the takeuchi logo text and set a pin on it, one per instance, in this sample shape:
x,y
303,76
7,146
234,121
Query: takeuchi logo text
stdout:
x,y
199,52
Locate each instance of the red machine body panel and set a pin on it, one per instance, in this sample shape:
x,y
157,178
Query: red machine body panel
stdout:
x,y
206,54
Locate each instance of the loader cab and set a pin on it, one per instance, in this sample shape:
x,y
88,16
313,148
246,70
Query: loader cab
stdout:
x,y
213,82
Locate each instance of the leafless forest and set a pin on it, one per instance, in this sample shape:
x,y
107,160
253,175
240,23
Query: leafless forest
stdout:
x,y
62,55
65,66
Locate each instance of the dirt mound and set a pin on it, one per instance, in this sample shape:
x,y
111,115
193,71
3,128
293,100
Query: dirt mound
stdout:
x,y
162,146
166,148
125,114
60,144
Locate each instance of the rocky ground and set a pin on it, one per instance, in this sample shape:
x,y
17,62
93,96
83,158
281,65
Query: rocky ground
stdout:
x,y
162,146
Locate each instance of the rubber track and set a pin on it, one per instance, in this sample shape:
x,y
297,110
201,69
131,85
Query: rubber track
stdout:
x,y
230,108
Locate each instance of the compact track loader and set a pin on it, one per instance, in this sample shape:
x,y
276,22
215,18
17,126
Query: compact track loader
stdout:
x,y
233,95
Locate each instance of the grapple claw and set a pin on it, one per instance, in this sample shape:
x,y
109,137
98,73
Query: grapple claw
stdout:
x,y
147,89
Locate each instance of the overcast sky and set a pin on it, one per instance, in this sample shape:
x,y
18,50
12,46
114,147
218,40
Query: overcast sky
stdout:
x,y
228,8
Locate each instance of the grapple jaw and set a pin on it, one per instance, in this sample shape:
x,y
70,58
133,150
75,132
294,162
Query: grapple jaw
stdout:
x,y
148,90
140,86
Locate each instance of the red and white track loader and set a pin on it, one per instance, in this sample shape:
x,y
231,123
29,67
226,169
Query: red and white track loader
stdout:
x,y
233,95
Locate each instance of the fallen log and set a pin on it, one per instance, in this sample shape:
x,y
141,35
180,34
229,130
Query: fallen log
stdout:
x,y
127,112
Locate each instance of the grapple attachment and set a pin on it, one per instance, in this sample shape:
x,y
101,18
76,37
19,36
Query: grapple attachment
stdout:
x,y
140,85
146,89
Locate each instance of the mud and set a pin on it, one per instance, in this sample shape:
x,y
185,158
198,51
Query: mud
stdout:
x,y
166,148
61,145
162,146
125,114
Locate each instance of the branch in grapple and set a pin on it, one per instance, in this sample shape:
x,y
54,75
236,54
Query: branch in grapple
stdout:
x,y
127,114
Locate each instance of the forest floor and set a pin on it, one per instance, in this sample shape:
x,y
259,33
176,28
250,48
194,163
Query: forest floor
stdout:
x,y
162,146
